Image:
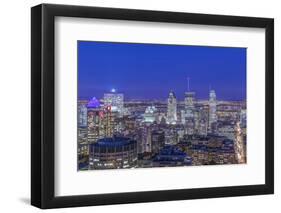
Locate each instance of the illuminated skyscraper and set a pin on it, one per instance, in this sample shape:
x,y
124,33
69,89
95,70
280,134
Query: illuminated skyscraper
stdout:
x,y
115,101
189,103
94,120
189,112
82,146
82,115
172,109
243,118
239,145
107,121
100,121
212,109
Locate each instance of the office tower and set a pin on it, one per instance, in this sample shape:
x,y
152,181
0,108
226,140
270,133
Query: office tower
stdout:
x,y
94,120
100,121
144,139
172,109
196,120
188,115
157,140
82,115
212,109
243,118
82,126
107,121
115,101
239,145
189,103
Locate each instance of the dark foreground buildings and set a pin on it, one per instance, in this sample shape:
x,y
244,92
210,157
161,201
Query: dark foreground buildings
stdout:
x,y
115,134
113,153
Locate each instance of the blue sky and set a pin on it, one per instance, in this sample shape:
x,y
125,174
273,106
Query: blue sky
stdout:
x,y
150,71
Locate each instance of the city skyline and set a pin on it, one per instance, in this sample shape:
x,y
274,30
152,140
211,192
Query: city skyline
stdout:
x,y
139,70
138,107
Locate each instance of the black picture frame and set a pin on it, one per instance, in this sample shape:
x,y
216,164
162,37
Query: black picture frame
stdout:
x,y
43,102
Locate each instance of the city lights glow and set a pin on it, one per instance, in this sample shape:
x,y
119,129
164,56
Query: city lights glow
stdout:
x,y
154,119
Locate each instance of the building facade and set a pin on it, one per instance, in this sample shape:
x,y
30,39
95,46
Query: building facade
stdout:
x,y
115,101
212,110
113,153
95,131
172,109
82,115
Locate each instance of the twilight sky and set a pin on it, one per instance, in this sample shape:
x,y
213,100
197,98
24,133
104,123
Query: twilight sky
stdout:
x,y
150,71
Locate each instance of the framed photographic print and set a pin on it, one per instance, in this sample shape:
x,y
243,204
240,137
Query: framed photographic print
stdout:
x,y
139,106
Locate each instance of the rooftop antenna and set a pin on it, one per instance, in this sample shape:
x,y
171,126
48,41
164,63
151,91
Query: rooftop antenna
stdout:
x,y
188,83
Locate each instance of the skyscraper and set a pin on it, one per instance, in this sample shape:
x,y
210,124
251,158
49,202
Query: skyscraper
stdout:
x,y
212,109
107,121
189,113
82,115
115,101
189,104
172,109
100,121
239,145
94,120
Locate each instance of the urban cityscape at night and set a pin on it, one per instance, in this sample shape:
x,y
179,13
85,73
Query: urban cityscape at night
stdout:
x,y
156,105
